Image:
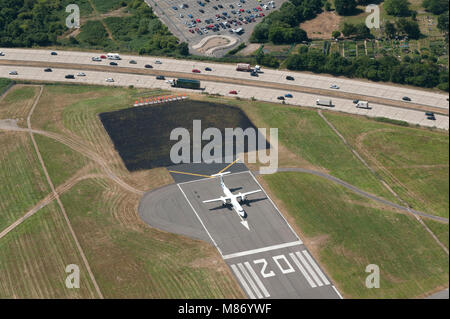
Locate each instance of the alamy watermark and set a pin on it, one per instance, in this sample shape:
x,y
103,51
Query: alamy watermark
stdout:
x,y
373,19
235,138
373,280
73,279
73,19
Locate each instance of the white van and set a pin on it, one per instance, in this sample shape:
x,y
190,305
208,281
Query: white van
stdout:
x,y
113,56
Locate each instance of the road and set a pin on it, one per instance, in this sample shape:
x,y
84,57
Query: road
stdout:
x,y
386,92
139,77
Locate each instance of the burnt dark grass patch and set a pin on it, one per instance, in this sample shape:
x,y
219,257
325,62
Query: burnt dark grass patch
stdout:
x,y
142,135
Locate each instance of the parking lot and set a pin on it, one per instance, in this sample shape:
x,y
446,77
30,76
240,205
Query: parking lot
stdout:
x,y
193,20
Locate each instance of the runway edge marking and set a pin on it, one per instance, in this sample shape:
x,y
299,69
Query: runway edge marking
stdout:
x,y
292,230
260,250
212,239
334,288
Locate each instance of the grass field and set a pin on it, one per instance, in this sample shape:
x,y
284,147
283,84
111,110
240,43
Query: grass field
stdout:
x,y
153,264
33,259
350,232
414,162
4,84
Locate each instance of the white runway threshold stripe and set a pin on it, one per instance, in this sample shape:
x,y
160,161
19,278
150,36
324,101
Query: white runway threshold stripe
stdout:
x,y
261,250
250,281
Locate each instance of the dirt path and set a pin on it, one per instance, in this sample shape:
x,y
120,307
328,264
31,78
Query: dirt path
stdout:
x,y
417,217
58,200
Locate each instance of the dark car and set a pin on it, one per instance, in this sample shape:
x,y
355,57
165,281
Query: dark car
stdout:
x,y
220,6
113,63
160,77
355,101
53,53
133,62
429,113
47,70
431,118
208,69
70,76
290,78
202,11
254,73
148,66
280,97
405,98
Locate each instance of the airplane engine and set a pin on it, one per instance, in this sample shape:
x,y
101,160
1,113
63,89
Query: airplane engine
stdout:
x,y
242,197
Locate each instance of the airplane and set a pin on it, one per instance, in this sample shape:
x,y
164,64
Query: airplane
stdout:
x,y
231,198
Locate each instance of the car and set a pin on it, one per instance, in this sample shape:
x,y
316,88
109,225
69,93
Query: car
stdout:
x,y
113,63
13,73
70,76
288,95
290,78
96,59
103,56
431,118
191,31
261,14
196,71
280,97
2,54
181,15
233,92
220,6
198,20
406,98
158,62
81,74
201,11
254,73
148,66
215,8
175,8
109,80
208,69
53,53
231,6
48,70
429,113
355,101
160,77
334,86
133,62
190,16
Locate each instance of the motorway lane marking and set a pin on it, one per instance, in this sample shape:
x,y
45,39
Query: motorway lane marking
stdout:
x,y
258,281
309,269
243,282
303,271
316,267
260,250
252,284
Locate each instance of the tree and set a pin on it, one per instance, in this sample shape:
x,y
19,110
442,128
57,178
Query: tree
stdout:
x,y
409,27
336,34
344,7
348,29
183,48
390,30
398,8
435,6
362,31
443,22
327,6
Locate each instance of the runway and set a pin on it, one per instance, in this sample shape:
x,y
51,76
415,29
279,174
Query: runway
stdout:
x,y
269,260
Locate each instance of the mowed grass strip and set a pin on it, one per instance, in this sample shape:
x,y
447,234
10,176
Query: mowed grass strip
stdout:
x,y
414,161
61,161
306,134
4,84
17,103
131,260
34,257
23,182
355,234
439,229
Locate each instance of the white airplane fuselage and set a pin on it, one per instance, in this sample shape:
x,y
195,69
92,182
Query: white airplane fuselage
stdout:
x,y
233,201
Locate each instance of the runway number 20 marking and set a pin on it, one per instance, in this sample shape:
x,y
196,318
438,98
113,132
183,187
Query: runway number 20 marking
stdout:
x,y
307,267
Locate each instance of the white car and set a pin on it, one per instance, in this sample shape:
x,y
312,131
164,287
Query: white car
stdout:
x,y
334,86
13,73
96,59
81,74
2,54
109,80
158,62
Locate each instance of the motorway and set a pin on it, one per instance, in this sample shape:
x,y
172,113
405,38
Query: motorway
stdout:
x,y
385,99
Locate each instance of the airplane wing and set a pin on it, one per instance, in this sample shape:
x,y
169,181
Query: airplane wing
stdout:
x,y
248,193
221,199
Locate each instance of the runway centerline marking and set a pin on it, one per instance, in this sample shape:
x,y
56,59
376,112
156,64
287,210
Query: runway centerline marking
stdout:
x,y
229,165
260,250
